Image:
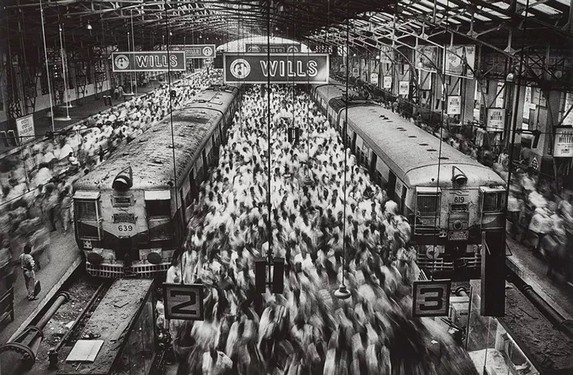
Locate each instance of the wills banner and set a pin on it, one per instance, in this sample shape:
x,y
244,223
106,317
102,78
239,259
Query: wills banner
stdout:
x,y
281,68
153,61
195,51
275,48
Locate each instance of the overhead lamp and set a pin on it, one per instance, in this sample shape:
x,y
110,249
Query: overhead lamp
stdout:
x,y
89,26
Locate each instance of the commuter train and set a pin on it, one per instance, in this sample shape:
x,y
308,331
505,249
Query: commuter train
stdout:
x,y
448,198
131,212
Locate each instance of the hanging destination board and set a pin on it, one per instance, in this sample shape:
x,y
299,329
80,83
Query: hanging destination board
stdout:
x,y
281,68
152,61
275,48
195,51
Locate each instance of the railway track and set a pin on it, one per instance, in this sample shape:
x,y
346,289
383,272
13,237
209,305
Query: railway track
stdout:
x,y
66,325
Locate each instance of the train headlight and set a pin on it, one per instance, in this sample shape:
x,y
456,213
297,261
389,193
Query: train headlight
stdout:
x,y
458,177
124,180
457,225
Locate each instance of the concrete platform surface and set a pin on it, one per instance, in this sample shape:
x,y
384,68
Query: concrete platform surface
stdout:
x,y
64,258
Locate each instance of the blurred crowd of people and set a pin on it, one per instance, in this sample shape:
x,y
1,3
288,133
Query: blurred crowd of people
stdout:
x,y
543,221
36,182
325,216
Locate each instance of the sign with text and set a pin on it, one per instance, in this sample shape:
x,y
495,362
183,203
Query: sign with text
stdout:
x,y
183,301
387,82
281,68
404,88
563,147
431,298
25,126
275,48
374,78
460,60
454,105
195,51
152,61
495,119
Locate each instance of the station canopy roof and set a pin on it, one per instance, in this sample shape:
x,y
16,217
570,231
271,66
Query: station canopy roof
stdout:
x,y
503,25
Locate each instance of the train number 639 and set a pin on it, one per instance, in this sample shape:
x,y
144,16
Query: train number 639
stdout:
x,y
125,227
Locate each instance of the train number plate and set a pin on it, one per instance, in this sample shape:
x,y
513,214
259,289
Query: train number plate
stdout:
x,y
458,235
125,228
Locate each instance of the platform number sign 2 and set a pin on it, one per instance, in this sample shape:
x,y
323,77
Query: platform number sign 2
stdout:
x,y
431,298
184,302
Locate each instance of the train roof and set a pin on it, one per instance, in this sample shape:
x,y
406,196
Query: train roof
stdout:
x,y
413,153
150,155
333,89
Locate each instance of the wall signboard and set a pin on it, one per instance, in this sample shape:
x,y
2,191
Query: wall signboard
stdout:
x,y
25,126
454,105
387,82
495,119
404,88
563,146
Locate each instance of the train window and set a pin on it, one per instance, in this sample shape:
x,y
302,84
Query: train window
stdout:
x,y
492,202
86,210
493,199
158,203
158,208
427,202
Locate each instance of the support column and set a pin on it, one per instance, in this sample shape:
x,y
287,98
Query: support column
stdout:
x,y
467,93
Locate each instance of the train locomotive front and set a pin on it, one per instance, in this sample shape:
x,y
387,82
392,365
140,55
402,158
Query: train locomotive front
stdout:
x,y
131,212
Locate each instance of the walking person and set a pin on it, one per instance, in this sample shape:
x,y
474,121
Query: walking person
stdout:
x,y
28,264
65,207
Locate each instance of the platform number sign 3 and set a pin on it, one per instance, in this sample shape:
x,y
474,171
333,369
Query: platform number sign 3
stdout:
x,y
184,302
431,298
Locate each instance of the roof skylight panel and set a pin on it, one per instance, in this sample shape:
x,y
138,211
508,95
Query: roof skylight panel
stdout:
x,y
547,9
481,17
501,5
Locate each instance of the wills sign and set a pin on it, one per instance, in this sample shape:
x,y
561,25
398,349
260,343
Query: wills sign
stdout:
x,y
153,61
281,68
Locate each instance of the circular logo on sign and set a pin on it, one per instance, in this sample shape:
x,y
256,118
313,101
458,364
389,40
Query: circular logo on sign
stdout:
x,y
121,62
240,68
207,51
291,49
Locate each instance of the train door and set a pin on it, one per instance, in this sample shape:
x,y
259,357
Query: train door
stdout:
x,y
372,169
205,165
192,186
391,185
403,200
353,142
182,206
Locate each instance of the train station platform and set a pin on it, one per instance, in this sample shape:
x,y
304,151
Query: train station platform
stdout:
x,y
58,262
81,110
533,271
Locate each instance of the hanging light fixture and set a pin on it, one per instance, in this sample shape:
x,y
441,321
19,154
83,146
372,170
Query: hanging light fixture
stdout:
x,y
89,26
342,292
